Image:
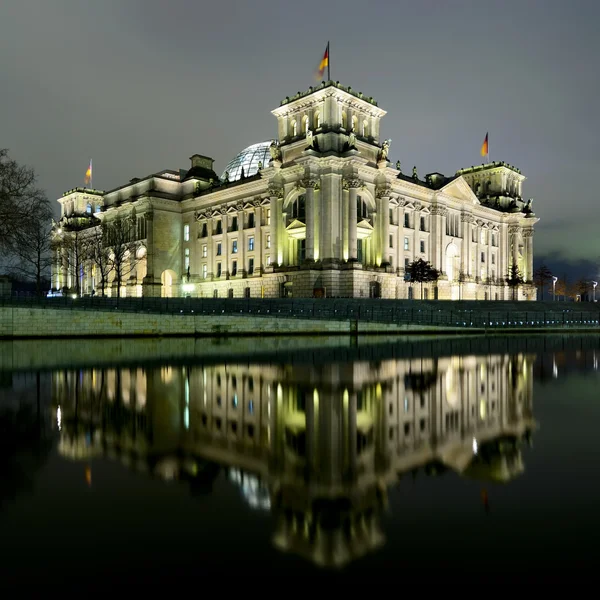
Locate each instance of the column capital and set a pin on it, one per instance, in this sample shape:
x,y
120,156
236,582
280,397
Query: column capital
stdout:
x,y
528,233
313,183
350,182
439,210
512,229
275,191
383,191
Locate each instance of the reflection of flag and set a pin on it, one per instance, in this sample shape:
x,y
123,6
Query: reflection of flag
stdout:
x,y
324,61
88,174
484,146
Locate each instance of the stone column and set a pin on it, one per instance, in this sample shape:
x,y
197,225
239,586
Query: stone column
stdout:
x,y
528,240
224,246
383,197
465,258
310,185
258,241
352,186
275,196
210,250
326,229
241,257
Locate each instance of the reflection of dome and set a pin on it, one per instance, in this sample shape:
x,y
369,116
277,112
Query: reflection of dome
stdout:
x,y
248,159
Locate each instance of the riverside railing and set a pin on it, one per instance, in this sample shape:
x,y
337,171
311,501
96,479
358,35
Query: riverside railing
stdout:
x,y
467,315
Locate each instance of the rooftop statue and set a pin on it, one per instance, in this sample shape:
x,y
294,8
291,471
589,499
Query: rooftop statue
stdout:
x,y
352,139
275,151
415,176
385,149
398,166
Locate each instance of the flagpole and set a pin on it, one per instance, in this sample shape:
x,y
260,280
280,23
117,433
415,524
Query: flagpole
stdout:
x,y
328,62
91,175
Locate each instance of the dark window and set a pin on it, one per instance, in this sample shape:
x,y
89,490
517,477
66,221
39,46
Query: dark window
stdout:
x,y
251,220
219,227
422,223
301,250
204,230
359,250
250,266
234,224
406,220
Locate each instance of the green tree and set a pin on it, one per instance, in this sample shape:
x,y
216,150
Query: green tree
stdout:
x,y
542,276
514,279
421,271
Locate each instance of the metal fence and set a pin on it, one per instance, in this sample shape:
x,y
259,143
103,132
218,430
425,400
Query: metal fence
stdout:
x,y
463,314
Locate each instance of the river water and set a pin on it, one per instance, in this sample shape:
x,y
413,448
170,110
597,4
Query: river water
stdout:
x,y
475,457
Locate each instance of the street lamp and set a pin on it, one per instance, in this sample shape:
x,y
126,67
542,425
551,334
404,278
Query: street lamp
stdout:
x,y
594,284
554,280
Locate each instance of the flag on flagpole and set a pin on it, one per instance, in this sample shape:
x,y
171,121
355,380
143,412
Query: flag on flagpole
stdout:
x,y
324,63
484,146
88,174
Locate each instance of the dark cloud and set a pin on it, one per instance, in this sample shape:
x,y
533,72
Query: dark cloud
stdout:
x,y
140,85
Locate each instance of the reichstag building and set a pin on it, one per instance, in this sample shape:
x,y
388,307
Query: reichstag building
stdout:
x,y
318,211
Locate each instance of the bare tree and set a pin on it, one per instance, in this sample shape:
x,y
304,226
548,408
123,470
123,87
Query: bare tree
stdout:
x,y
98,253
73,245
32,242
120,235
17,194
542,276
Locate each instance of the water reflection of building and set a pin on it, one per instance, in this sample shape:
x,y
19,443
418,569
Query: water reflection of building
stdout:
x,y
317,445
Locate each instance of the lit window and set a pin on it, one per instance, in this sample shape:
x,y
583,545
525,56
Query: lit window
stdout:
x,y
268,216
186,233
234,247
268,242
187,259
204,271
88,209
268,260
250,243
251,407
97,209
234,401
204,251
406,244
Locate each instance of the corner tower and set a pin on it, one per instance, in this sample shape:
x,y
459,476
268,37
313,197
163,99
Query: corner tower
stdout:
x,y
341,118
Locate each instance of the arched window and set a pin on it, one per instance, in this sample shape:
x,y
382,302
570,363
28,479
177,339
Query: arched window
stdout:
x,y
305,124
344,119
88,209
317,120
294,128
365,129
355,122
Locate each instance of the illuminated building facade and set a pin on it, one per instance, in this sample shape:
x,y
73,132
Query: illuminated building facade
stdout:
x,y
317,447
319,211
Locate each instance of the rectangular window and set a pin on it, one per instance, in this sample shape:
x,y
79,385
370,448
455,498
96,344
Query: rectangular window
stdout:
x,y
392,216
219,227
493,239
218,269
234,225
204,251
234,247
204,271
422,223
204,230
251,220
234,268
406,244
186,264
186,233
406,220
251,266
493,259
219,249
359,251
422,246
406,262
268,242
268,216
483,257
301,250
251,243
268,260
391,241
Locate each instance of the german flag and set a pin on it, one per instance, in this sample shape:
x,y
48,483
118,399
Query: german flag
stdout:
x,y
484,146
324,62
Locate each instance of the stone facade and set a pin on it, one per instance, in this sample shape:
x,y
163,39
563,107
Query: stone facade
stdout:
x,y
328,215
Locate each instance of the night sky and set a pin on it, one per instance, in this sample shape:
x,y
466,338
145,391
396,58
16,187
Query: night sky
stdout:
x,y
141,85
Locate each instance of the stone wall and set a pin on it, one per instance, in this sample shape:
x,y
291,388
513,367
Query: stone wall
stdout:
x,y
54,323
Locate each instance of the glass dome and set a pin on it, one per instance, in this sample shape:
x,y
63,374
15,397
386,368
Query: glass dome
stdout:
x,y
248,159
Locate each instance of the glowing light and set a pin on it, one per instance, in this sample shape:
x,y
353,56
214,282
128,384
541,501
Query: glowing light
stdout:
x,y
88,476
59,418
475,447
188,287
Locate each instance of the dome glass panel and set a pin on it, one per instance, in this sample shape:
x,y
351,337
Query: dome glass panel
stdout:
x,y
248,160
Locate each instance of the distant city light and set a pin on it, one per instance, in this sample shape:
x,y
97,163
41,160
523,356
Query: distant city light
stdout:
x,y
59,418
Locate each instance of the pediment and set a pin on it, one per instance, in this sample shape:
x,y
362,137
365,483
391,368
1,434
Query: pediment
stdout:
x,y
364,229
459,189
296,229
